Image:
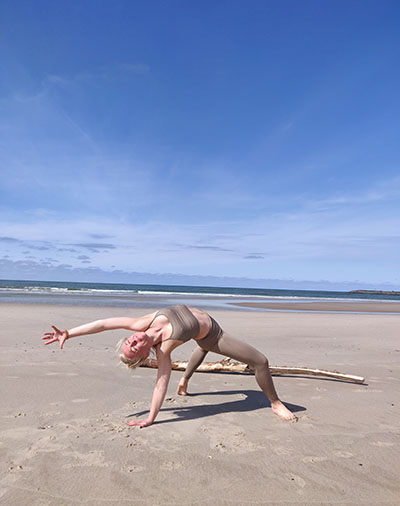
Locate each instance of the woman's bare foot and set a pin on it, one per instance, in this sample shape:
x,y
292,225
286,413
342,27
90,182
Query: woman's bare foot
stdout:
x,y
282,411
182,387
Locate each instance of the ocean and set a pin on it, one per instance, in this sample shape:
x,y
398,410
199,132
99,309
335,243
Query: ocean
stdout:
x,y
153,296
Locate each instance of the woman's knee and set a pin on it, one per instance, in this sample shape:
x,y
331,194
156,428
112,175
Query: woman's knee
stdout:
x,y
261,361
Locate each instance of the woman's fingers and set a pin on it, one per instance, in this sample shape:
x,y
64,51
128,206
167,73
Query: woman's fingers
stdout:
x,y
49,342
46,337
53,337
141,423
135,422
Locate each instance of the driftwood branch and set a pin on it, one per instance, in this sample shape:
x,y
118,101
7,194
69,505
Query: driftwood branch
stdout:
x,y
228,365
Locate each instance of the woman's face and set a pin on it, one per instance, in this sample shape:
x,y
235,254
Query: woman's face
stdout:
x,y
136,346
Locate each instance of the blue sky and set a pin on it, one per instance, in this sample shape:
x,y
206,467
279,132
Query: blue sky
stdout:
x,y
219,138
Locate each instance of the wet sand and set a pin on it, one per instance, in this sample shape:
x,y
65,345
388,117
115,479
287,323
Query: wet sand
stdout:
x,y
63,438
347,307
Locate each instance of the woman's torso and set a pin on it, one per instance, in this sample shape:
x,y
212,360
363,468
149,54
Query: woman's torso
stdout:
x,y
181,323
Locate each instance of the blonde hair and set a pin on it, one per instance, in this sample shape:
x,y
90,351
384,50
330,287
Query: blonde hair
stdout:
x,y
129,362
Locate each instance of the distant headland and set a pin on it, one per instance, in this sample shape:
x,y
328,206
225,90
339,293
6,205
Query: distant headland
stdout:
x,y
377,292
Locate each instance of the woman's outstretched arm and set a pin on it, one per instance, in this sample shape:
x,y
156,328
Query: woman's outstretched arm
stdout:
x,y
163,376
135,324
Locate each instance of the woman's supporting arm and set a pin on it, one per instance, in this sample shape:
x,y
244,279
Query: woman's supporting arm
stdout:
x,y
163,376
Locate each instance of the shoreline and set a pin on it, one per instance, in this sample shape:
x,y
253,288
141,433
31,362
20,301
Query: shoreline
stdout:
x,y
147,304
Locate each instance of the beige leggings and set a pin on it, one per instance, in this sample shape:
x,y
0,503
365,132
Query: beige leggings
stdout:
x,y
220,342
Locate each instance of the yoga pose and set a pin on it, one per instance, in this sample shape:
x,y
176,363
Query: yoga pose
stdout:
x,y
167,329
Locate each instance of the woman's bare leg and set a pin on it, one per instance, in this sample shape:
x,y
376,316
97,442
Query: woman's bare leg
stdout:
x,y
196,358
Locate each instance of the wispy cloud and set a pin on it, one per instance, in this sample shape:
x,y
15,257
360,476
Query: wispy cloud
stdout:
x,y
305,240
203,247
31,269
11,240
101,236
383,190
110,71
95,245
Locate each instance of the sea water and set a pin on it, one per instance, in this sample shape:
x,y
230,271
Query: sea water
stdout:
x,y
151,296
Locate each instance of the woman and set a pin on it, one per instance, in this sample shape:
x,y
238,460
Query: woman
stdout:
x,y
164,331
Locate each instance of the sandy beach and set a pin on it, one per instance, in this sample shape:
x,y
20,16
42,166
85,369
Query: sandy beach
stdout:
x,y
64,439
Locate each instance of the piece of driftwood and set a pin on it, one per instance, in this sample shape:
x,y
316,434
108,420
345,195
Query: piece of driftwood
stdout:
x,y
229,365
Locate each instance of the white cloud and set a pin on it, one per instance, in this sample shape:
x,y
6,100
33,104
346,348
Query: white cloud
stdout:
x,y
382,190
309,240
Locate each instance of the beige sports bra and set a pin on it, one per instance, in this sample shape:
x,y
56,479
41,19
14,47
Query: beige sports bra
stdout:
x,y
184,324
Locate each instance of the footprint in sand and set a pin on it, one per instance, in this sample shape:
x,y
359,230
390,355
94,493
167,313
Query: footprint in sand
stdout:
x,y
367,390
61,374
388,428
382,444
280,450
228,439
94,458
171,466
313,460
132,469
344,455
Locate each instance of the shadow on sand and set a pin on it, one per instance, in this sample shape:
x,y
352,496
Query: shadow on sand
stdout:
x,y
251,401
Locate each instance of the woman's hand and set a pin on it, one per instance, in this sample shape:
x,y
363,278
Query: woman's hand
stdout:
x,y
141,423
58,335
